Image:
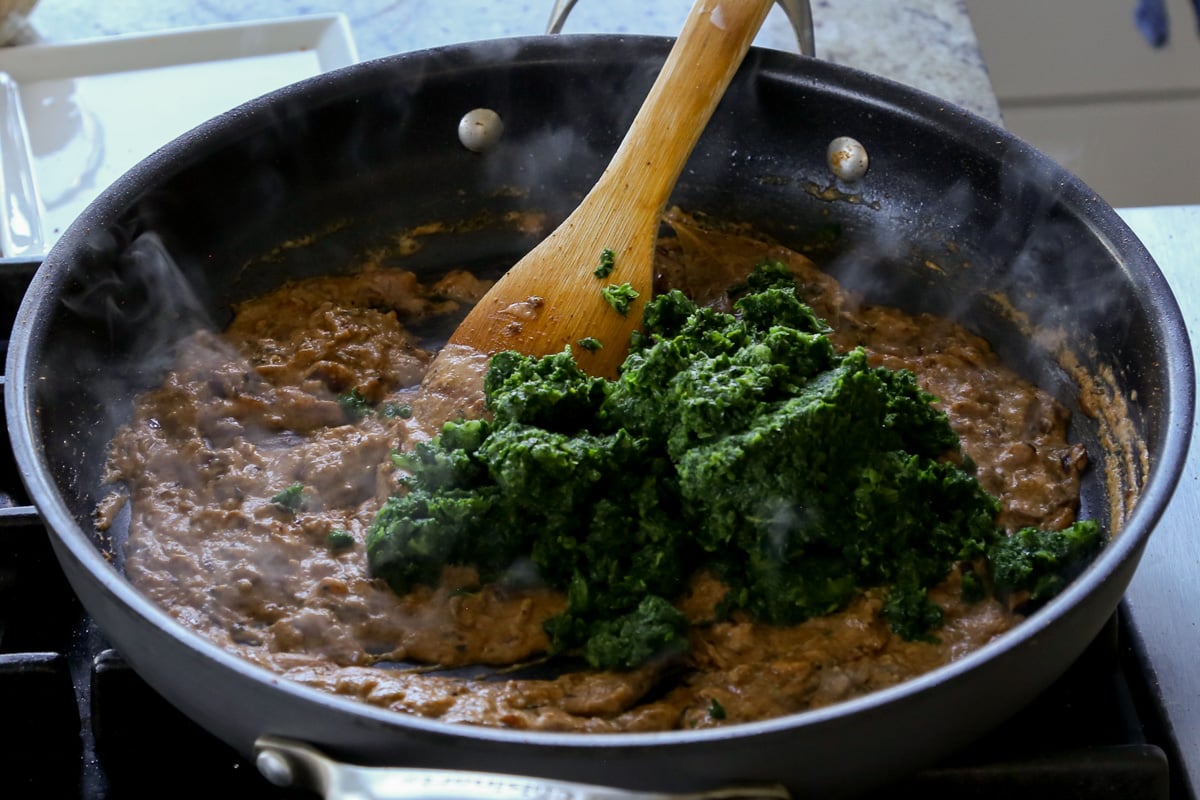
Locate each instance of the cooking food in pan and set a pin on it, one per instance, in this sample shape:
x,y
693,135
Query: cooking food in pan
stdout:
x,y
955,217
767,512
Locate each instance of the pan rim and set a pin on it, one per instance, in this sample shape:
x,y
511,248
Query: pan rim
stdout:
x,y
70,539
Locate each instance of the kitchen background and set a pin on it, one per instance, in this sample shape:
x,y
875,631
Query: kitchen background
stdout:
x,y
1074,77
1079,80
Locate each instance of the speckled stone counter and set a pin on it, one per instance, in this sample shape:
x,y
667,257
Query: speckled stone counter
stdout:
x,y
929,44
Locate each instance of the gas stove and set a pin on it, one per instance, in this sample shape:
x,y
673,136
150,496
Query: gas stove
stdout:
x,y
78,722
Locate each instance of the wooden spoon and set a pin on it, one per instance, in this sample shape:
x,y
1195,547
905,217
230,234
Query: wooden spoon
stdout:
x,y
552,297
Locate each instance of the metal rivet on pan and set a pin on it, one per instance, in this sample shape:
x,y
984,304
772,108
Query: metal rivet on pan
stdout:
x,y
847,158
274,767
479,129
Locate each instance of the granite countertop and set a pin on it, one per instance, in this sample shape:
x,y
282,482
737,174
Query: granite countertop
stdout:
x,y
928,44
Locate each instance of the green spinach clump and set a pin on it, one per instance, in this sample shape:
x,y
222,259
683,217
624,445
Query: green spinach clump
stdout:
x,y
742,443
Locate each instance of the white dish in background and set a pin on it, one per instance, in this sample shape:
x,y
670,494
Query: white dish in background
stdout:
x,y
76,116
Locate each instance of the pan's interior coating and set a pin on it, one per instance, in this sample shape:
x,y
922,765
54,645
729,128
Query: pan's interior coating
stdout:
x,y
244,415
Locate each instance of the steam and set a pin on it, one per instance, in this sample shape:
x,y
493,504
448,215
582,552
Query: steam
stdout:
x,y
137,307
1015,239
558,163
141,299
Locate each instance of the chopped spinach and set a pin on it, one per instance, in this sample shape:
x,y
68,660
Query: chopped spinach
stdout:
x,y
1041,562
339,540
619,296
395,410
607,260
739,443
716,710
291,499
354,405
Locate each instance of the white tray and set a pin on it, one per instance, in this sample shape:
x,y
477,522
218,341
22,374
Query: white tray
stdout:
x,y
75,116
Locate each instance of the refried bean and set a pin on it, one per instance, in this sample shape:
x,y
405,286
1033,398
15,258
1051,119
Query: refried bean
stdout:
x,y
250,412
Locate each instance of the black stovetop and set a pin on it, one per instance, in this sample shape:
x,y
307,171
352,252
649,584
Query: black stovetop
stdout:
x,y
77,722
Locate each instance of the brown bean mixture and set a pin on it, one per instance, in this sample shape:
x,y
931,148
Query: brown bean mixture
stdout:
x,y
250,412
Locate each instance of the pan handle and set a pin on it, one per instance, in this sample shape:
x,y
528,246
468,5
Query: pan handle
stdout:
x,y
291,764
799,13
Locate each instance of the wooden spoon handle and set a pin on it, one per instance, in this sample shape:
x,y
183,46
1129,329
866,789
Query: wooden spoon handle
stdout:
x,y
697,71
552,296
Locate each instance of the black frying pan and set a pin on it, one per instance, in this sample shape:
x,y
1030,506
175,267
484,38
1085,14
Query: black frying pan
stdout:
x,y
363,152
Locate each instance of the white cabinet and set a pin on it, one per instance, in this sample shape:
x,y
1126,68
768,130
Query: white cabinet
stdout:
x,y
1077,80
